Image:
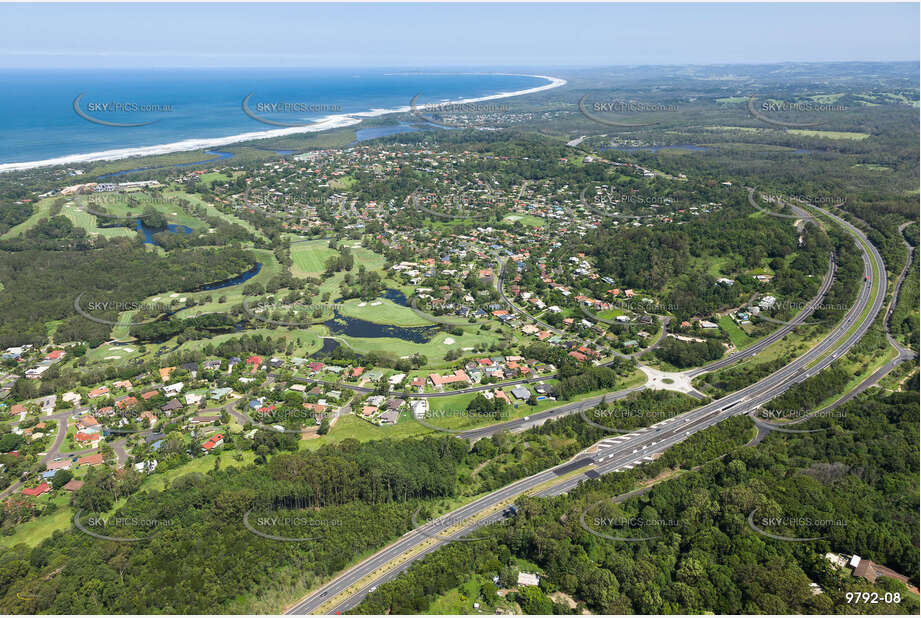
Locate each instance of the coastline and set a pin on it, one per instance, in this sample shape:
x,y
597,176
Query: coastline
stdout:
x,y
324,124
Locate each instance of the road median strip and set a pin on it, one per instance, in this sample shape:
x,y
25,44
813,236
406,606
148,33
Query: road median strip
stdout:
x,y
431,541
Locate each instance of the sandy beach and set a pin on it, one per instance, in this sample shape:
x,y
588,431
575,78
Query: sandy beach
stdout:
x,y
324,124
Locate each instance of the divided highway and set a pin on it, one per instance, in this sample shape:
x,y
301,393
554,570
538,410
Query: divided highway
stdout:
x,y
341,593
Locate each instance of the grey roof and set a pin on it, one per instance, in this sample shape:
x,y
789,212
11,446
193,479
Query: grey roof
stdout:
x,y
521,392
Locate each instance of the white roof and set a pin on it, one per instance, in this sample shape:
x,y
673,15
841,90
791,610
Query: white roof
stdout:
x,y
528,579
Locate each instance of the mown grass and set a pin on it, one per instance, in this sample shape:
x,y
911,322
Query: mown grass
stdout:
x,y
309,258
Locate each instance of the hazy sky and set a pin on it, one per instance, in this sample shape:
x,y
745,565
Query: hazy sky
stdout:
x,y
431,35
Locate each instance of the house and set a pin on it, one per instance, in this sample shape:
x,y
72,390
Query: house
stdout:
x,y
146,466
165,373
205,419
213,442
767,302
390,417
528,579
148,395
123,384
173,389
459,376
171,405
211,364
37,491
87,423
73,485
87,439
99,392
419,407
193,399
871,571
521,392
395,404
316,408
357,371
148,416
47,403
90,460
54,466
36,372
220,393
154,437
374,375
57,354
708,324
126,402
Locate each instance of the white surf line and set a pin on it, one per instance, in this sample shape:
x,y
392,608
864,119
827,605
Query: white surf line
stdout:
x,y
323,124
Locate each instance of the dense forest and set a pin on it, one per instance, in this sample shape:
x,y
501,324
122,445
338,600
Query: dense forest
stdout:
x,y
41,286
370,489
860,480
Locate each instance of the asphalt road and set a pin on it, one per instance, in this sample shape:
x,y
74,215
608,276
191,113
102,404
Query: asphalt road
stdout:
x,y
54,450
540,418
780,333
626,450
511,305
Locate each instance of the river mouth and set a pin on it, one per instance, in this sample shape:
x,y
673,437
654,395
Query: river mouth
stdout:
x,y
220,155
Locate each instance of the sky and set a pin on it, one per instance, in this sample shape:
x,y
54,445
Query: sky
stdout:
x,y
450,35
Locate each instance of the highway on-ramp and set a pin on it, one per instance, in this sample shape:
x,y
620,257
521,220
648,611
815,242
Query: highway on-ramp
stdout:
x,y
343,592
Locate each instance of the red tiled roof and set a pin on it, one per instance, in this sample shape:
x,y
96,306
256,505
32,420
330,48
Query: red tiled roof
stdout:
x,y
37,491
90,460
73,485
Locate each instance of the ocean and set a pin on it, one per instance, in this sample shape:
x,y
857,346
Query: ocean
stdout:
x,y
185,109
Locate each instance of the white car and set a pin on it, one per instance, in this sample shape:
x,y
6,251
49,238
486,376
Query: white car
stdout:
x,y
527,418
